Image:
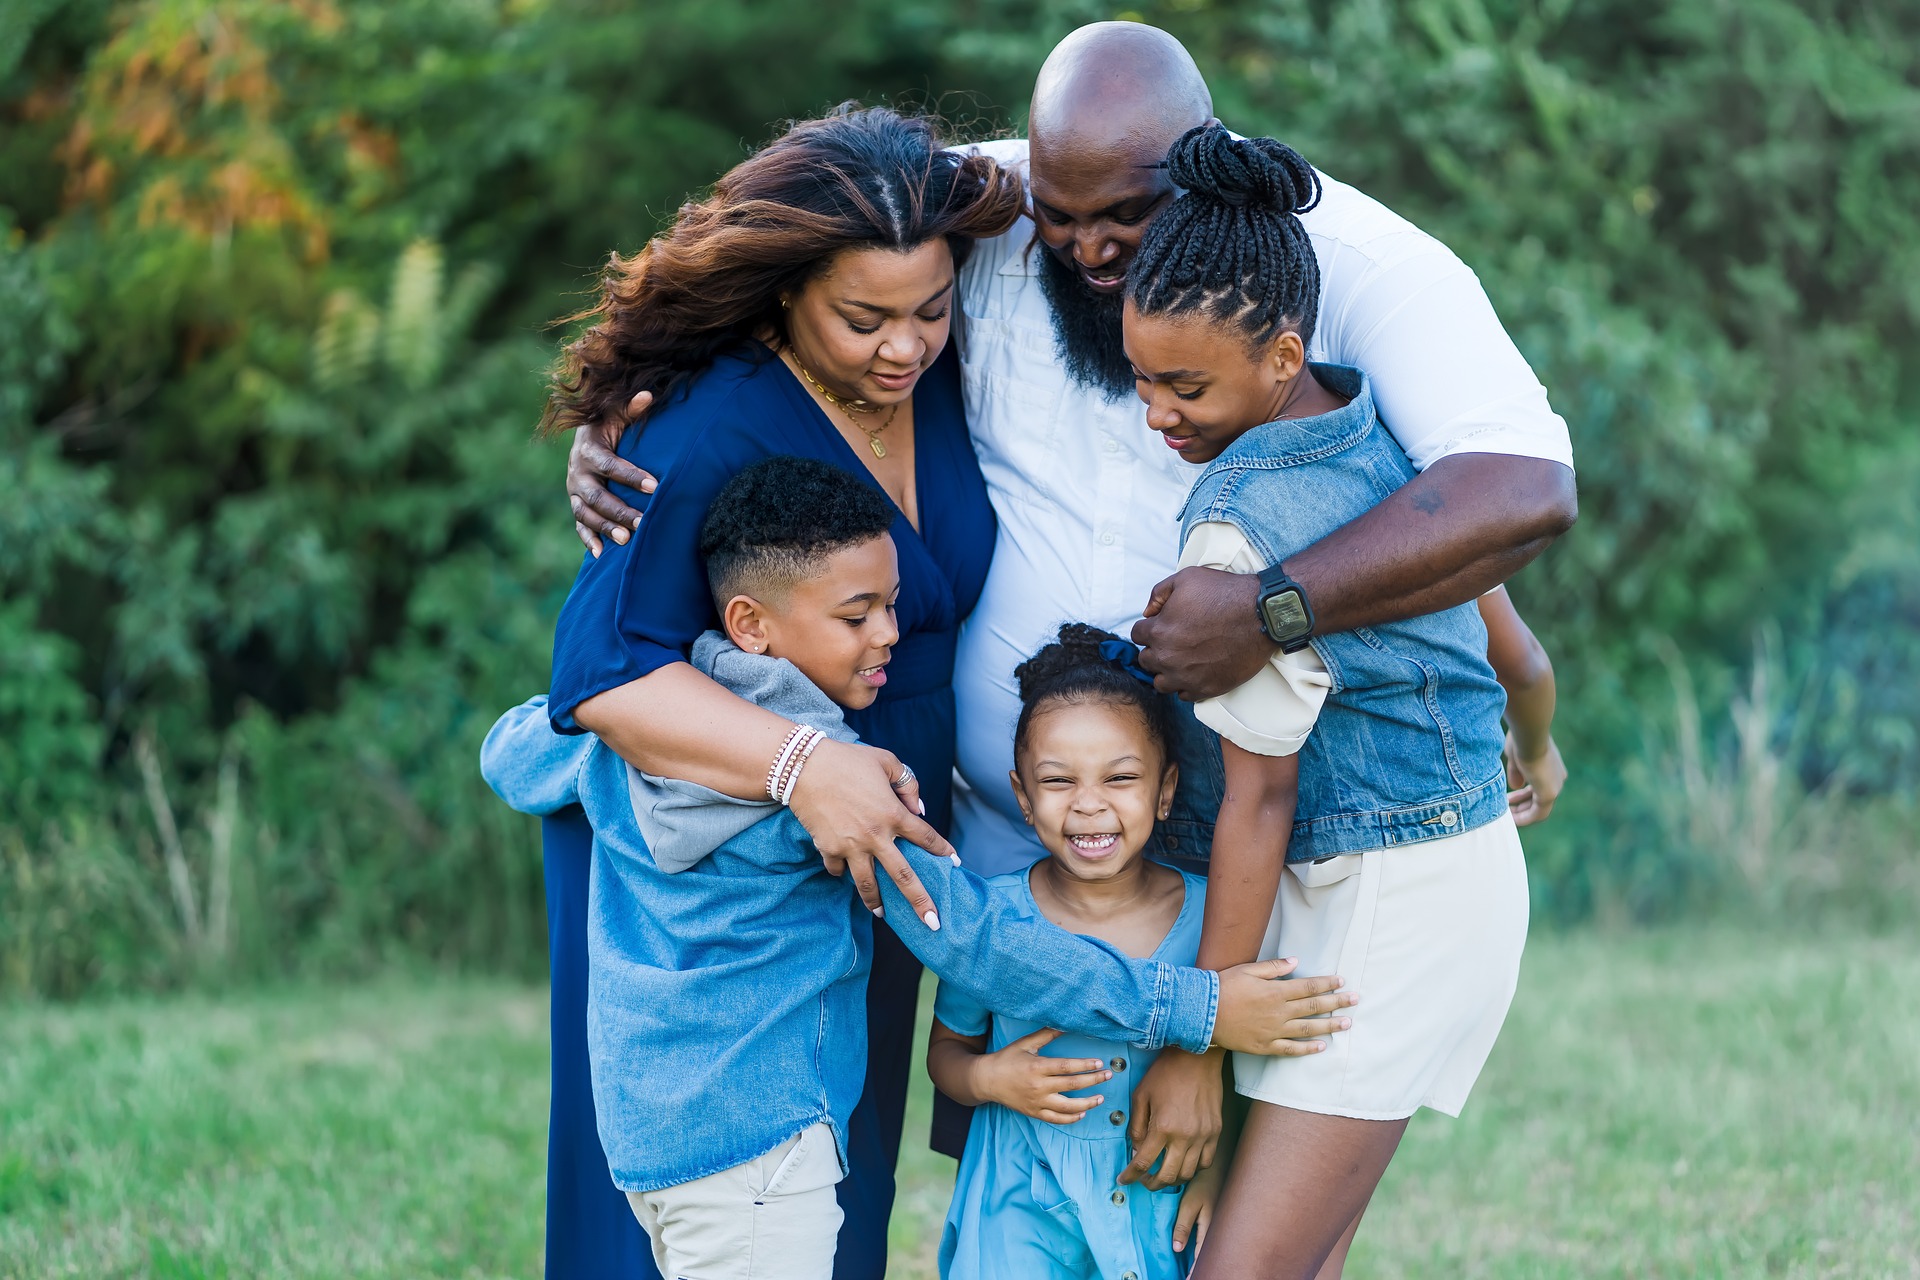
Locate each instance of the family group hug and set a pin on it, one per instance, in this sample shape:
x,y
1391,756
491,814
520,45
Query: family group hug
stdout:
x,y
1072,565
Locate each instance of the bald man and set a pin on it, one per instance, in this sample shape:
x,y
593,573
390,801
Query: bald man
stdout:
x,y
1087,497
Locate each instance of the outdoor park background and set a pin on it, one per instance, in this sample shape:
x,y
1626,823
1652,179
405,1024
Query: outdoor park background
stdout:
x,y
275,549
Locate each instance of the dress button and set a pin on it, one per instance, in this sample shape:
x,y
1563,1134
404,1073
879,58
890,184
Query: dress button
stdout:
x,y
1119,1197
1118,1117
1119,1064
1106,539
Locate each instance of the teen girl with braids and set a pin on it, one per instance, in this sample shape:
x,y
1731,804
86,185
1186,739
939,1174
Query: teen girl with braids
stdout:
x,y
1366,827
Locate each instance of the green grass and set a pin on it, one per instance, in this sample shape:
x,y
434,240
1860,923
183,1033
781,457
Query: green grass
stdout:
x,y
1676,1104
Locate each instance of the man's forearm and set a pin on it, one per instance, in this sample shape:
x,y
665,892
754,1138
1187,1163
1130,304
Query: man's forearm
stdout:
x,y
1454,532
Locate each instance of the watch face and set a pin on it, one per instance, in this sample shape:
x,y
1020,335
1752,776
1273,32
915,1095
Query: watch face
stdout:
x,y
1286,615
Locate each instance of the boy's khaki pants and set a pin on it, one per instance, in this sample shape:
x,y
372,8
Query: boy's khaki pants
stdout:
x,y
773,1218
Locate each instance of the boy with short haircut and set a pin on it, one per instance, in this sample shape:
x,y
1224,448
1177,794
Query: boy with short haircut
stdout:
x,y
727,968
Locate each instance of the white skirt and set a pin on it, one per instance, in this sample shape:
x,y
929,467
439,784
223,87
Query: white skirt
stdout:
x,y
1429,936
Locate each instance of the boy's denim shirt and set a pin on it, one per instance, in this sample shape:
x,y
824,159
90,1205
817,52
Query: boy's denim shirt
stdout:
x,y
726,1006
1407,747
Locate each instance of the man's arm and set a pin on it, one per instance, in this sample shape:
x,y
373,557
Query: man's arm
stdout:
x,y
1454,532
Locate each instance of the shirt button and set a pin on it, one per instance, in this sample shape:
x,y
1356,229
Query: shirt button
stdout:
x,y
1119,1197
1113,446
1106,539
1118,1117
1119,1064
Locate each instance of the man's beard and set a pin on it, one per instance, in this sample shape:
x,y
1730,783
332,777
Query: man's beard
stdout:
x,y
1086,328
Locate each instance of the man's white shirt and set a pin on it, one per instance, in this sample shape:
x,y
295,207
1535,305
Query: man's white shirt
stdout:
x,y
1088,498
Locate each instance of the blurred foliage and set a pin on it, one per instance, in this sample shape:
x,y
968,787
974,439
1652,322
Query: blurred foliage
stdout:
x,y
274,278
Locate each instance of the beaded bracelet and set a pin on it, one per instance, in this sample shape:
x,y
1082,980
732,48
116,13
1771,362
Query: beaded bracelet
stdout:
x,y
799,761
777,771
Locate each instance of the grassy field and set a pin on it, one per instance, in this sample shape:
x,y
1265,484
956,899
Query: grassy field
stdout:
x,y
1670,1104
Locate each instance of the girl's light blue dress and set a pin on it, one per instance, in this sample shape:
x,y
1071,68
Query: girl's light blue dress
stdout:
x,y
1039,1199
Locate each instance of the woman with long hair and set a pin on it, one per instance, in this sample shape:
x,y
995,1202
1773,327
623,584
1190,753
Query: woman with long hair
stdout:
x,y
804,307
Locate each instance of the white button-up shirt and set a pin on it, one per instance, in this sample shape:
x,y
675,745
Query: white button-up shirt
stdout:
x,y
1088,497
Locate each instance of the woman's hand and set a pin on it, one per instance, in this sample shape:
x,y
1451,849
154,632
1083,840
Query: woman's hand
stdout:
x,y
1026,1080
1260,1013
1176,1111
1535,784
847,801
597,513
1196,1206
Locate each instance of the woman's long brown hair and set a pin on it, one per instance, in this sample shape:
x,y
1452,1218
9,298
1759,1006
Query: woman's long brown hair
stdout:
x,y
855,178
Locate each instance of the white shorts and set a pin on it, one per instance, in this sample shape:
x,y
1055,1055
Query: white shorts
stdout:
x,y
1429,935
773,1218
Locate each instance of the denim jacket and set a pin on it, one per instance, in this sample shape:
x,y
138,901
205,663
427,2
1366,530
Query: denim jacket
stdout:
x,y
1407,747
726,1006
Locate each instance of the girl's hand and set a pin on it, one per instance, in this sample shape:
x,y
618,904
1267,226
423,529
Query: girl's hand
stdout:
x,y
1176,1111
1024,1079
1196,1207
1535,784
847,801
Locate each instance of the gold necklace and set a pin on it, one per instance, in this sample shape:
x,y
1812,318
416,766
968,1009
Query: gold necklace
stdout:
x,y
851,407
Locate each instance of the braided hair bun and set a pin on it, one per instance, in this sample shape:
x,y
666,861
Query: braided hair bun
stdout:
x,y
1209,162
1232,247
1086,664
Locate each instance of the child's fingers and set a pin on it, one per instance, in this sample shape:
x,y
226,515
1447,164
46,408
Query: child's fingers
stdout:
x,y
1320,1005
1200,1225
1184,1222
1307,1028
1295,1048
1269,969
1034,1041
1078,1078
1072,1106
1148,1151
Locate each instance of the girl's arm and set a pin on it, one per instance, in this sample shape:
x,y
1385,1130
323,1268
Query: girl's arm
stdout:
x,y
1019,1076
1535,771
1176,1107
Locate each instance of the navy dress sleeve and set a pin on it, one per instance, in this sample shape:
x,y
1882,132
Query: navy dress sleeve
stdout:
x,y
640,607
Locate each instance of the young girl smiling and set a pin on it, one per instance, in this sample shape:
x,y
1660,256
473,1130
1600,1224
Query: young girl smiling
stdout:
x,y
1036,1192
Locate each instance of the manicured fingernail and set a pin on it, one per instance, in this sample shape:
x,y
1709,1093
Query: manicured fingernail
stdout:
x,y
878,914
923,808
620,535
646,486
596,552
933,921
1346,1024
955,858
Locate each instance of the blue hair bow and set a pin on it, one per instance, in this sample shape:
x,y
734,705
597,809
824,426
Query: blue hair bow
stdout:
x,y
1125,655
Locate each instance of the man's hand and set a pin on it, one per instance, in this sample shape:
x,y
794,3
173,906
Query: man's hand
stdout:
x,y
1021,1077
597,512
847,801
1261,1014
1176,1112
1535,784
1196,1206
1201,634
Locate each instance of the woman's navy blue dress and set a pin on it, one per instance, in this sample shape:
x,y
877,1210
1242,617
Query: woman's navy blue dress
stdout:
x,y
638,608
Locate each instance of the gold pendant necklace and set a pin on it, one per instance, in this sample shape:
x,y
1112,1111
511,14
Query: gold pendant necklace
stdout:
x,y
850,408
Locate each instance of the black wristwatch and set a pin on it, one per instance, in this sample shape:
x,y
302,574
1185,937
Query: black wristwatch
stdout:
x,y
1285,615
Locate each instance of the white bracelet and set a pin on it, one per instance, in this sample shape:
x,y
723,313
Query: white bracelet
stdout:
x,y
799,761
780,762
